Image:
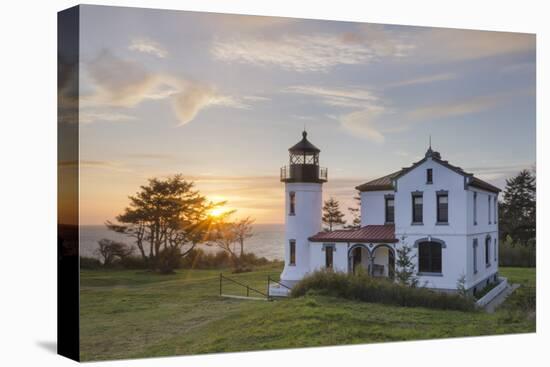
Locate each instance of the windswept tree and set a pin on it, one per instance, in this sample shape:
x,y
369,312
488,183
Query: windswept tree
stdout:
x,y
517,212
355,213
332,216
224,237
110,250
166,213
243,230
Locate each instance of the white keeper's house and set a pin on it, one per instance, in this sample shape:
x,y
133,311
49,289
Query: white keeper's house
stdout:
x,y
448,217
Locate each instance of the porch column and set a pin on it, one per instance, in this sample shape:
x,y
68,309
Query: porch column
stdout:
x,y
371,264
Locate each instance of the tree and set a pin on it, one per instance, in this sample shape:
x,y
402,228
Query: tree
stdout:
x,y
332,215
111,250
405,272
355,213
165,213
243,230
517,212
224,236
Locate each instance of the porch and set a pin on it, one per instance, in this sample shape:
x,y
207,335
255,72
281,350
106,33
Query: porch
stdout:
x,y
370,249
377,260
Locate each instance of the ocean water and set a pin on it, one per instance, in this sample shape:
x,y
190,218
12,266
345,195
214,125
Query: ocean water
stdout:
x,y
268,240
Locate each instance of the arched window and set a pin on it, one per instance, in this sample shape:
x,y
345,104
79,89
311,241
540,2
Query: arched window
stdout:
x,y
429,257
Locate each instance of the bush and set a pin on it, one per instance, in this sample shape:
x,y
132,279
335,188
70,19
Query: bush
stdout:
x,y
89,263
199,259
516,255
168,260
367,289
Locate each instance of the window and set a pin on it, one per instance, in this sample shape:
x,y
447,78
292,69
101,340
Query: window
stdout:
x,y
495,250
429,176
475,255
417,206
390,209
329,255
489,208
292,246
475,208
429,257
487,251
442,207
292,197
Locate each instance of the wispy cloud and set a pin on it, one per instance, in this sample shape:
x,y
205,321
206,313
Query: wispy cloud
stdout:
x,y
366,108
449,45
339,97
123,83
302,53
454,109
422,80
519,67
148,46
86,117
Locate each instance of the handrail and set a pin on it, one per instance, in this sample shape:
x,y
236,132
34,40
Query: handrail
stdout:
x,y
248,288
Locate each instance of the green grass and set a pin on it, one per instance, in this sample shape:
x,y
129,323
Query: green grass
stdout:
x,y
129,314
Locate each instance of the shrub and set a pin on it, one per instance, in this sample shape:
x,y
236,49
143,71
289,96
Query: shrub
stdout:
x,y
367,289
89,263
168,260
199,259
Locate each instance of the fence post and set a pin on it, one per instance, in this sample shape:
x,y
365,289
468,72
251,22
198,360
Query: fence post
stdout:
x,y
220,284
247,291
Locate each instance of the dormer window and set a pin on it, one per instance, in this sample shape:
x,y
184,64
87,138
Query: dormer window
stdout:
x,y
429,176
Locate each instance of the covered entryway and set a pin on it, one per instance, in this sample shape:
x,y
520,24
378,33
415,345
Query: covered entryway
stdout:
x,y
383,259
375,260
359,256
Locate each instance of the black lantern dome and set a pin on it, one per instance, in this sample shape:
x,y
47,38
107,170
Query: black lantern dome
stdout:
x,y
304,163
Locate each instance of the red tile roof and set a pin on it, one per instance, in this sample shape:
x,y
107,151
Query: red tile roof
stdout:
x,y
370,233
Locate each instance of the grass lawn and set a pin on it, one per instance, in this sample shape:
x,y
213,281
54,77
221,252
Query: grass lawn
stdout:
x,y
129,314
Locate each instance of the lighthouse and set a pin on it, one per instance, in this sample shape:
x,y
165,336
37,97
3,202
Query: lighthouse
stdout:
x,y
303,179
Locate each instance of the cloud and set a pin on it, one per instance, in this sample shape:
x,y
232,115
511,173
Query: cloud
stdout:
x,y
444,45
86,117
363,122
148,46
339,97
302,53
121,83
366,108
423,80
519,67
454,109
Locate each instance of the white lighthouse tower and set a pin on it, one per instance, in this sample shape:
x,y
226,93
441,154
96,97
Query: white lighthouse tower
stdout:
x,y
303,180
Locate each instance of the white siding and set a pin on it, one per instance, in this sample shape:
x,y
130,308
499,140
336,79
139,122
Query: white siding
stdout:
x,y
305,223
373,208
443,179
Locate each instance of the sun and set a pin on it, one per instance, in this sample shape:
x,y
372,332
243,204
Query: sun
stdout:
x,y
216,212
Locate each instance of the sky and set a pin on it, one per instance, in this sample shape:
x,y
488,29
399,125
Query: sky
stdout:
x,y
220,98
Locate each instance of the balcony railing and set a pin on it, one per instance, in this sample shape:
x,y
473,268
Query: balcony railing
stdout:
x,y
304,173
